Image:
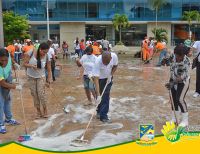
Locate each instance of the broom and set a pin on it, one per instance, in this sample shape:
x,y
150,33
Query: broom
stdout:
x,y
26,136
81,142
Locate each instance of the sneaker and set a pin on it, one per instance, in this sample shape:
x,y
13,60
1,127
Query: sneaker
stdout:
x,y
2,129
106,121
12,122
196,94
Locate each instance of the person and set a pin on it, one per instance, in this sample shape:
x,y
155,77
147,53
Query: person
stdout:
x,y
28,46
105,67
11,49
82,47
35,62
36,45
96,50
55,46
151,46
77,48
161,47
188,42
88,42
65,49
145,53
5,86
105,44
52,58
179,83
87,62
196,48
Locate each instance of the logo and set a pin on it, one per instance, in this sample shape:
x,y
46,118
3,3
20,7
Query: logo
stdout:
x,y
146,135
173,134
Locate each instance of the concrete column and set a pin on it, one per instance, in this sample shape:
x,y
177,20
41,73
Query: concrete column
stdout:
x,y
110,34
1,26
69,32
164,25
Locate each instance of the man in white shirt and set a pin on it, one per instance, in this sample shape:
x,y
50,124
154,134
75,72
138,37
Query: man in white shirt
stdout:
x,y
52,58
88,42
105,44
196,48
105,66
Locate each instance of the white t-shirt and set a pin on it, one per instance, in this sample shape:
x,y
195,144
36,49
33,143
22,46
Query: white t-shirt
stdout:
x,y
88,43
197,47
88,63
104,71
55,46
39,73
50,53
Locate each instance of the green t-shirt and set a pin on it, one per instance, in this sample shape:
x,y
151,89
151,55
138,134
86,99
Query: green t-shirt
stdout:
x,y
5,71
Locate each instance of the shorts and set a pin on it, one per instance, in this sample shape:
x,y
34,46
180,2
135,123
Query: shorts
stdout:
x,y
87,83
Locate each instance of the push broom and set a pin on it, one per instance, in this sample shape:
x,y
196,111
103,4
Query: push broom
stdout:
x,y
81,141
26,136
172,102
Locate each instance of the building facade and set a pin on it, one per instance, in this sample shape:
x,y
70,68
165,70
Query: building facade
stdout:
x,y
93,19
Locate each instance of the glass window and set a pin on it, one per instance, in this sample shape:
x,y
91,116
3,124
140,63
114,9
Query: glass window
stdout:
x,y
95,32
133,35
180,32
93,10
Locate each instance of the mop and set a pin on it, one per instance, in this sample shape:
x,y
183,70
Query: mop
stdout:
x,y
26,136
81,142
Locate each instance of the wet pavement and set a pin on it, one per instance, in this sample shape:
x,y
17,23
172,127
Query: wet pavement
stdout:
x,y
138,96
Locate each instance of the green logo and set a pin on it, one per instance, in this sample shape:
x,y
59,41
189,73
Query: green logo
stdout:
x,y
173,134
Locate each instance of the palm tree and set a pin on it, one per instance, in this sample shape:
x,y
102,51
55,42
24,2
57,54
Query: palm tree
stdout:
x,y
160,34
119,22
189,16
197,17
1,26
156,5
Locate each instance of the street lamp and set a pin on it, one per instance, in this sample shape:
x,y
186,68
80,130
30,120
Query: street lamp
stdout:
x,y
48,19
1,26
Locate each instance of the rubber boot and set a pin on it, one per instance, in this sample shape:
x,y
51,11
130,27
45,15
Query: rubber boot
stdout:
x,y
184,121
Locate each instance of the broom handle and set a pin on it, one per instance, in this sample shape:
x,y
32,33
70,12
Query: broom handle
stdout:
x,y
49,89
173,107
94,111
171,99
22,103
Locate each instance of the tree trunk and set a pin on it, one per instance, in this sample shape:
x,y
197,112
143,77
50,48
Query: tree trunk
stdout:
x,y
1,26
190,34
120,33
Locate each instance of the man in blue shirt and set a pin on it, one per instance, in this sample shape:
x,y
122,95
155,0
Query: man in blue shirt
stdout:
x,y
5,87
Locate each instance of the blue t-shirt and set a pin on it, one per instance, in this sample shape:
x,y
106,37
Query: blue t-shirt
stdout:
x,y
5,71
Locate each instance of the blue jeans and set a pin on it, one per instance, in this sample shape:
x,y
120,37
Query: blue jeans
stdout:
x,y
5,102
103,107
17,57
77,51
162,55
